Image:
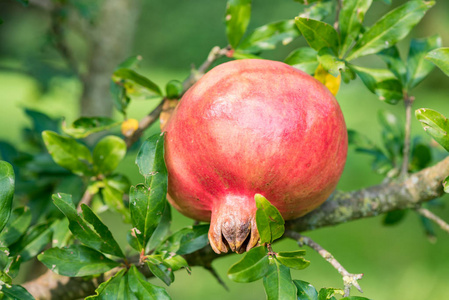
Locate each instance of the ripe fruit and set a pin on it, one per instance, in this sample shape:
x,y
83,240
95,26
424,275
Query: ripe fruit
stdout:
x,y
253,126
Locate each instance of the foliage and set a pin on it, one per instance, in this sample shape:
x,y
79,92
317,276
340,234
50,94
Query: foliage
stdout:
x,y
67,234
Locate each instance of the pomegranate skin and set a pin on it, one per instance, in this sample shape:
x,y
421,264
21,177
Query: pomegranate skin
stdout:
x,y
252,126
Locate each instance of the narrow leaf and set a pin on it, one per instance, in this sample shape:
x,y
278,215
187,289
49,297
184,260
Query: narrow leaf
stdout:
x,y
14,292
160,268
6,192
68,153
76,261
318,34
142,289
141,80
268,36
36,238
113,288
108,153
394,63
390,29
330,62
293,259
278,283
89,230
434,124
304,59
350,20
305,291
269,220
253,266
151,154
16,227
417,67
162,230
238,13
115,186
381,82
85,126
186,240
440,57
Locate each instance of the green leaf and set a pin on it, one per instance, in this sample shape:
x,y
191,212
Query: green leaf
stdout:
x,y
68,153
133,76
293,259
381,82
239,54
115,186
14,292
278,283
174,89
151,155
147,206
305,291
108,153
238,13
85,126
434,124
16,227
266,37
318,34
329,293
417,67
394,217
61,233
36,238
421,157
115,287
446,184
186,240
6,192
440,57
350,21
330,62
253,266
24,2
89,230
160,268
142,289
319,10
354,298
177,262
304,59
76,261
268,219
394,63
119,96
130,63
162,230
392,134
390,29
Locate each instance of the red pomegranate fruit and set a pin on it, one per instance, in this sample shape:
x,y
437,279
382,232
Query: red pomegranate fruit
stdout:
x,y
246,127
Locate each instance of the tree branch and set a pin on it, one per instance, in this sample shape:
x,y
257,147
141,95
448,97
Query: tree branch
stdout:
x,y
349,279
339,208
429,215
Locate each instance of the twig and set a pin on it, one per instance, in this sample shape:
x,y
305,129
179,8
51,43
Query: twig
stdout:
x,y
408,102
215,274
146,122
195,75
349,279
86,199
428,214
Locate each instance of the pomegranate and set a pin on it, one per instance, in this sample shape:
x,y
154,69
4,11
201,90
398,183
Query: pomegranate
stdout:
x,y
246,127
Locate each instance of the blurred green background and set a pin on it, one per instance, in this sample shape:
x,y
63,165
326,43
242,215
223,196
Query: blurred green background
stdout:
x,y
398,261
